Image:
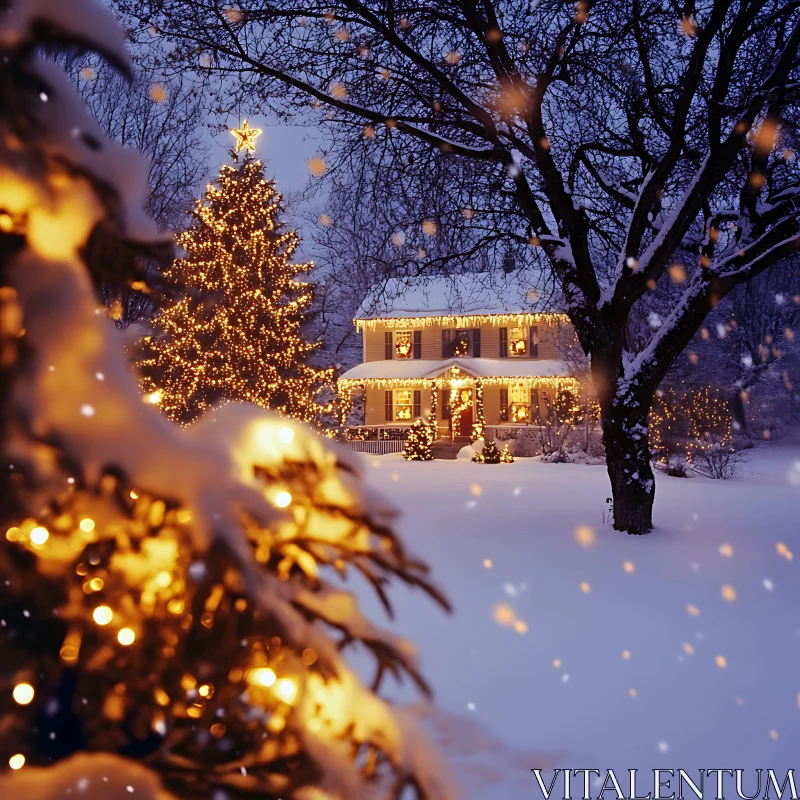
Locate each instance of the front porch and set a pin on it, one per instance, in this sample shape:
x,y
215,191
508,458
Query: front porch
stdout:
x,y
465,406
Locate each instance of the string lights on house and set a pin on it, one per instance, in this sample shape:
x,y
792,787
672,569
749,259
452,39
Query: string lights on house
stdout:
x,y
480,419
461,322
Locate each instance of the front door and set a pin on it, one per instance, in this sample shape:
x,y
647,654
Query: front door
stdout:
x,y
461,408
465,426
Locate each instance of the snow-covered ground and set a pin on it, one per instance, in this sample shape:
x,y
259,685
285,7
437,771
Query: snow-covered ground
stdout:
x,y
679,649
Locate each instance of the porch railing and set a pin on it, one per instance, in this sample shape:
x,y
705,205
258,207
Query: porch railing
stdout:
x,y
377,439
378,447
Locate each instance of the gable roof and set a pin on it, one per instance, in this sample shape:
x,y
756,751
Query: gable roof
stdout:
x,y
473,294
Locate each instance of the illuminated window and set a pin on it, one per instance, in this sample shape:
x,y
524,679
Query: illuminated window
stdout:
x,y
403,404
403,345
517,342
519,406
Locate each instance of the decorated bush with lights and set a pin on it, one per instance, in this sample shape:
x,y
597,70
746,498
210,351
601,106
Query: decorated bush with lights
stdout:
x,y
419,442
505,455
167,595
489,455
235,332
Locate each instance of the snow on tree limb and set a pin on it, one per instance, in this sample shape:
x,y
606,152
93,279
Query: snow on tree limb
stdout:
x,y
159,579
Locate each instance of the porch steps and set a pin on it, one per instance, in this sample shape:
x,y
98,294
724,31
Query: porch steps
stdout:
x,y
447,448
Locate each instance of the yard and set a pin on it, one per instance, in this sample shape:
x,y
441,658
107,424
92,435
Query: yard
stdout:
x,y
576,646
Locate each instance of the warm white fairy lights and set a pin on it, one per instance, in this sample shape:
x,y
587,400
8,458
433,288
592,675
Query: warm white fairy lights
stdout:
x,y
235,334
464,321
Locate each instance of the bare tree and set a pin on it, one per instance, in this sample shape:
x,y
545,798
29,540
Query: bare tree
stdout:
x,y
377,225
766,315
634,143
163,118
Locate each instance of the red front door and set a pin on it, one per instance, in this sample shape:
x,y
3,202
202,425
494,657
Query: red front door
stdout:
x,y
465,426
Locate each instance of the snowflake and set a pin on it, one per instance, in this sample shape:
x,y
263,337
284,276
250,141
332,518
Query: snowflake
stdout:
x,y
654,320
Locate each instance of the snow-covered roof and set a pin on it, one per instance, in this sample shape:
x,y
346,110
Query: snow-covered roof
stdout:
x,y
480,293
419,369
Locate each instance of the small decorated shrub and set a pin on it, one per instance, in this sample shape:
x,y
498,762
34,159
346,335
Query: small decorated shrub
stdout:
x,y
505,456
419,442
490,454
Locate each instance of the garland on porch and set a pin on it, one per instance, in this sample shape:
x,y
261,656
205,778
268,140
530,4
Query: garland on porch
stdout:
x,y
434,402
480,420
460,400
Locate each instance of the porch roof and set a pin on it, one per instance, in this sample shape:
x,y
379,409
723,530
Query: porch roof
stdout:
x,y
419,369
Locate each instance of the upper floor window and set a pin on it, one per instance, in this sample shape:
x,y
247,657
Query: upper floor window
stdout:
x,y
461,343
519,342
402,344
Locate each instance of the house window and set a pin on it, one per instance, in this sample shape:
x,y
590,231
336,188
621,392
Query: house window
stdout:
x,y
417,344
417,403
388,405
461,343
518,342
534,341
519,409
403,405
536,415
403,345
503,342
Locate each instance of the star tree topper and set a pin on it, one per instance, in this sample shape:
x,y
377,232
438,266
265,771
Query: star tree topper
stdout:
x,y
246,137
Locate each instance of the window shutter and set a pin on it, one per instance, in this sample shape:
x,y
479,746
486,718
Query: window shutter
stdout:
x,y
388,404
445,343
534,405
503,402
447,412
504,349
417,344
417,410
387,346
534,335
476,343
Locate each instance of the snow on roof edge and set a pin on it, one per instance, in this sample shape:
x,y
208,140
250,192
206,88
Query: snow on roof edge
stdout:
x,y
419,369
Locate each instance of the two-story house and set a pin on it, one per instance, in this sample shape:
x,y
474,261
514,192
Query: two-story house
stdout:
x,y
463,350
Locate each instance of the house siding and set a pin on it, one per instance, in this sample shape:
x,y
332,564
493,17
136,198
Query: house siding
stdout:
x,y
491,404
549,335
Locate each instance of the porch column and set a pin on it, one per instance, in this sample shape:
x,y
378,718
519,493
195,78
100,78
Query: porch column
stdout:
x,y
480,420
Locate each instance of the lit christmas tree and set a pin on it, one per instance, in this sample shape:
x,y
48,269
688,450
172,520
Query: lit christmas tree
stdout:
x,y
167,597
419,443
236,331
489,455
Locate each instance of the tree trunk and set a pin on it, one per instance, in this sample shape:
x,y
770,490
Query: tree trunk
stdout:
x,y
628,462
738,411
